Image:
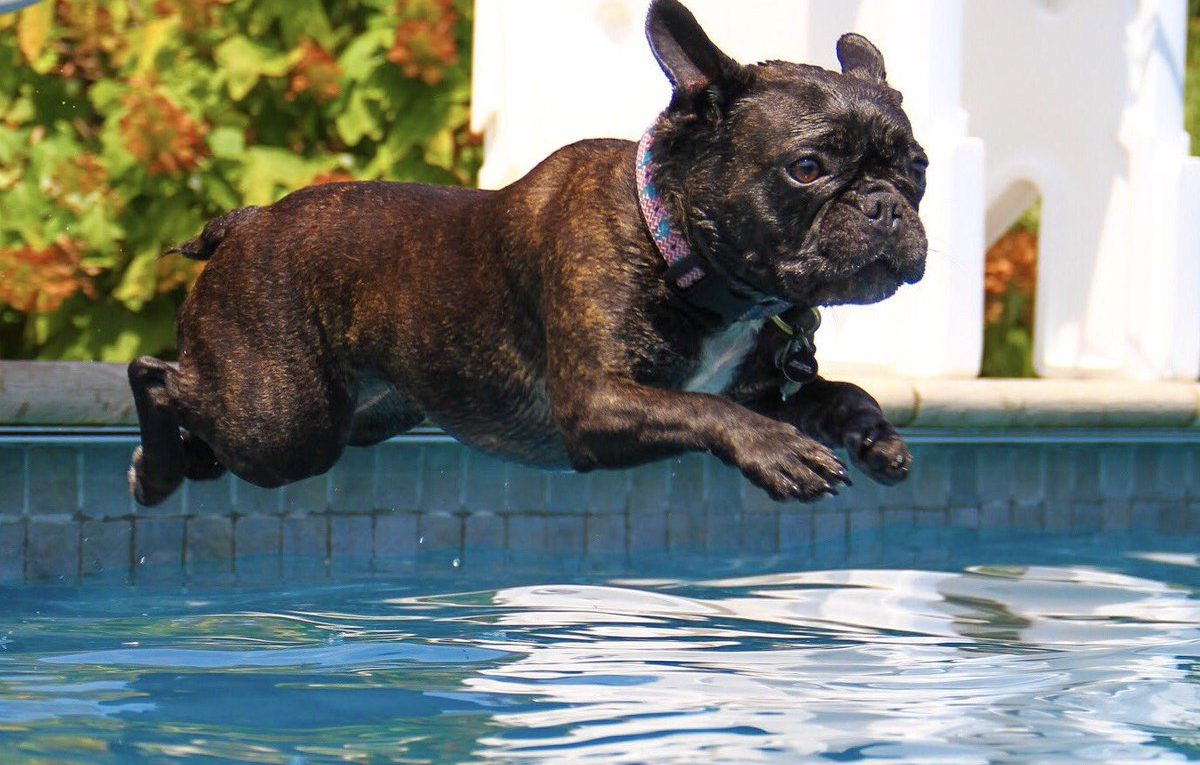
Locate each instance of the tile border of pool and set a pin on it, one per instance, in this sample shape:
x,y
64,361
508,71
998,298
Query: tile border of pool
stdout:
x,y
1037,457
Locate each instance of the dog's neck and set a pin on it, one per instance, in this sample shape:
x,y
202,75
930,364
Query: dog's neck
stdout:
x,y
691,272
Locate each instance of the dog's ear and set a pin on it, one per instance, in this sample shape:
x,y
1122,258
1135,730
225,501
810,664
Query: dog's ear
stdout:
x,y
860,57
690,60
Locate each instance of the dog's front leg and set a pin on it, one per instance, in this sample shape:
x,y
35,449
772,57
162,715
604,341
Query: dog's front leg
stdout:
x,y
612,424
841,414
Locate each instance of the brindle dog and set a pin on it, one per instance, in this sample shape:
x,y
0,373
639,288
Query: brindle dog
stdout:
x,y
541,323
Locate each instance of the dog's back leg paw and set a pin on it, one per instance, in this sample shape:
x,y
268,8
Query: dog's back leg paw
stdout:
x,y
157,466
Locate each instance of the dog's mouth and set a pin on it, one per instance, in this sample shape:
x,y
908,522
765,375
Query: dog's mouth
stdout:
x,y
871,283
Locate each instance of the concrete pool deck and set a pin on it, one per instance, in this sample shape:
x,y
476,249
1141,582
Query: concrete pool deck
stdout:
x,y
1042,457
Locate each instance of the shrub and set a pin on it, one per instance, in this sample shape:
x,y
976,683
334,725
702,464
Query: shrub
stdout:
x,y
125,124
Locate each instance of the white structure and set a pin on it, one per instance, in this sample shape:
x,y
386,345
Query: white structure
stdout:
x,y
1078,102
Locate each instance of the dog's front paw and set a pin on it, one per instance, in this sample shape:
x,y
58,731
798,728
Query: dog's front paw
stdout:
x,y
787,464
876,449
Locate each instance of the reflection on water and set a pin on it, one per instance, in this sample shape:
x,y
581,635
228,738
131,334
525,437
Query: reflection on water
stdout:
x,y
986,663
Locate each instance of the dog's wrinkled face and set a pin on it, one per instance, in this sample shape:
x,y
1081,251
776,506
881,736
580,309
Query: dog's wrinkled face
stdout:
x,y
802,183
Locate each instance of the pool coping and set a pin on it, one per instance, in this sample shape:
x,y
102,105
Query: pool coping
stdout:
x,y
37,395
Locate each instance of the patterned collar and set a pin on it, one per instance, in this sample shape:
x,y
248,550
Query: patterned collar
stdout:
x,y
710,291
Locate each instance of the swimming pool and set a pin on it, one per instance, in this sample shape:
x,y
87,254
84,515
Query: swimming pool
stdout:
x,y
1028,595
946,646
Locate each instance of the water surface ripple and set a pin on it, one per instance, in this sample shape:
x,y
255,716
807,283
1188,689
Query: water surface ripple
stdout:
x,y
1037,663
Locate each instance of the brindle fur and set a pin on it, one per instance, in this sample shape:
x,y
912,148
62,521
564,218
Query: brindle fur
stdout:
x,y
534,322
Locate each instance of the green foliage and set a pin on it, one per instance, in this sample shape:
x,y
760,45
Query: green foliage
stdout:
x,y
1191,81
126,124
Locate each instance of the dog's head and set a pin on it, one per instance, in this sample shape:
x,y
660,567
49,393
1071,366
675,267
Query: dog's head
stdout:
x,y
798,182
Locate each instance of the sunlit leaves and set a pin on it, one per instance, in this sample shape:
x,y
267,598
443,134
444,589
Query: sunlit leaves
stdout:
x,y
125,125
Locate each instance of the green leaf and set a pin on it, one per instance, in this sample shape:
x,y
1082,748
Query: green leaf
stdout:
x,y
245,61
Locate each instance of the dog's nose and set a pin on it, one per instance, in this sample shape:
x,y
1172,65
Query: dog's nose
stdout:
x,y
882,208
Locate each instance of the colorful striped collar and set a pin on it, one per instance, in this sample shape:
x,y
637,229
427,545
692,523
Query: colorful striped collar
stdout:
x,y
686,274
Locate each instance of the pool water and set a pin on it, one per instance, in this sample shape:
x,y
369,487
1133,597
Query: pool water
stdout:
x,y
1036,649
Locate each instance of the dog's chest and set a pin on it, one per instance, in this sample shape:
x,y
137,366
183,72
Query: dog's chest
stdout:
x,y
721,354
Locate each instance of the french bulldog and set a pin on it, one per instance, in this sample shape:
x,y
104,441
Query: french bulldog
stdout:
x,y
622,303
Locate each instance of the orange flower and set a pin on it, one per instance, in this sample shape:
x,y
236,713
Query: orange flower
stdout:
x,y
86,38
40,280
160,134
193,14
316,72
337,176
1010,264
425,46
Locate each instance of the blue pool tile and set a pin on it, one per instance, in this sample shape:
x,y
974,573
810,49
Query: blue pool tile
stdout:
x,y
865,533
996,469
209,553
964,476
1029,474
209,497
1090,517
1175,519
1147,483
397,476
723,529
52,549
441,478
963,517
607,491
1059,482
441,538
755,500
647,535
830,543
526,536
649,486
351,544
760,533
722,486
525,489
1086,483
106,547
995,516
1116,471
930,477
257,542
396,535
53,480
486,484
311,495
899,518
564,538
158,550
685,492
566,493
305,546
687,532
249,499
104,481
1026,517
484,540
352,482
12,551
796,532
1172,472
12,481
605,536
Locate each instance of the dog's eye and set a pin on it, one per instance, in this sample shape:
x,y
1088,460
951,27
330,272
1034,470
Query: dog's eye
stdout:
x,y
805,170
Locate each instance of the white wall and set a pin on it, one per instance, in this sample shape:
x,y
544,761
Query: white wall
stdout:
x,y
1074,99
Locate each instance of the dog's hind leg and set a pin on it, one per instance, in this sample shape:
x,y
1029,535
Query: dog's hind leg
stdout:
x,y
159,464
380,412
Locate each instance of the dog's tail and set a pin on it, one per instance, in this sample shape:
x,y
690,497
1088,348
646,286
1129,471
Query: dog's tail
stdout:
x,y
215,231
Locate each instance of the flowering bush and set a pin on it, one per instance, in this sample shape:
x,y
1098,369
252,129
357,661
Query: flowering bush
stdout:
x,y
125,124
1009,286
